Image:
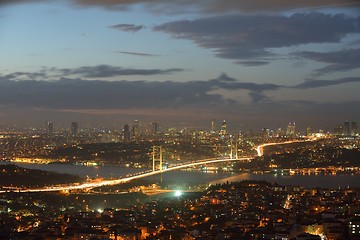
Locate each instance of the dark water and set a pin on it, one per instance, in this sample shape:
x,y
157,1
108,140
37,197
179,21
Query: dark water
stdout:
x,y
178,177
309,181
83,171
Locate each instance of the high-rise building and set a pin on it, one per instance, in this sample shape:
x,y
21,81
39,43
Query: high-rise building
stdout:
x,y
223,130
308,130
155,128
353,128
74,128
291,129
339,130
136,129
126,131
213,126
49,128
279,132
347,128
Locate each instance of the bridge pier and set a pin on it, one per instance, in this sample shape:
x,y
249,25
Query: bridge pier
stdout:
x,y
157,156
232,149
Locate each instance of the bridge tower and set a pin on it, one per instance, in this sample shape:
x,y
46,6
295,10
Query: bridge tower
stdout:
x,y
157,156
234,148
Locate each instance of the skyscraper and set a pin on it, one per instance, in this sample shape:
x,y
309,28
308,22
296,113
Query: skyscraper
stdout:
x,y
309,130
74,128
126,131
353,128
49,128
213,126
347,128
291,129
339,130
135,129
223,130
155,128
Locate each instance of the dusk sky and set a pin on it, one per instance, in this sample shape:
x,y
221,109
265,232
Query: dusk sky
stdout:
x,y
255,63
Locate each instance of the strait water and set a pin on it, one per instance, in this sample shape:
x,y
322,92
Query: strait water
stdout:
x,y
183,177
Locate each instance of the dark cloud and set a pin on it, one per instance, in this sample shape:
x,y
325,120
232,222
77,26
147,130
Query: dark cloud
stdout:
x,y
251,37
355,43
104,71
70,93
279,5
137,54
313,83
258,97
223,5
77,93
149,98
344,60
127,27
99,71
226,82
8,2
26,75
253,63
212,6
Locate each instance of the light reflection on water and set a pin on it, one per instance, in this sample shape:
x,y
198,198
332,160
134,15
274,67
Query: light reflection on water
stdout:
x,y
179,177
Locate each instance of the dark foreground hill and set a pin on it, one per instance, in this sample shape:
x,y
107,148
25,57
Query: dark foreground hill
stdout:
x,y
14,176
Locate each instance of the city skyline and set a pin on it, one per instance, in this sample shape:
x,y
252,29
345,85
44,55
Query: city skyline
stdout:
x,y
136,129
256,64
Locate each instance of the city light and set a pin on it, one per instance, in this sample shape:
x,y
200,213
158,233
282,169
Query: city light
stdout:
x,y
178,193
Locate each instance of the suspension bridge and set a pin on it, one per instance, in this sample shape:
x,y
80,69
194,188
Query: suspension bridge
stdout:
x,y
157,160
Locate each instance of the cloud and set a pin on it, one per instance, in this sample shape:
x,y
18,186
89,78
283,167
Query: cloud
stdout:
x,y
228,83
279,5
343,60
253,63
313,83
355,43
127,27
258,97
250,38
77,93
8,2
98,71
137,54
69,98
208,6
25,75
105,71
67,93
165,6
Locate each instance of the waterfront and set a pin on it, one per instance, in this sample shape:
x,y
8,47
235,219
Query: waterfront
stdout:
x,y
194,177
308,181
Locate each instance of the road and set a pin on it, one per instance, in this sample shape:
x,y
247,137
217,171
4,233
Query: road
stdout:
x,y
260,148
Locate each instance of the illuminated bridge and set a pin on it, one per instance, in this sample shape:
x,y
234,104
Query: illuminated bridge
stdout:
x,y
126,179
156,149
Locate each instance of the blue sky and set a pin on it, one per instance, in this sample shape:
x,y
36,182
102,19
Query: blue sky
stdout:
x,y
257,64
